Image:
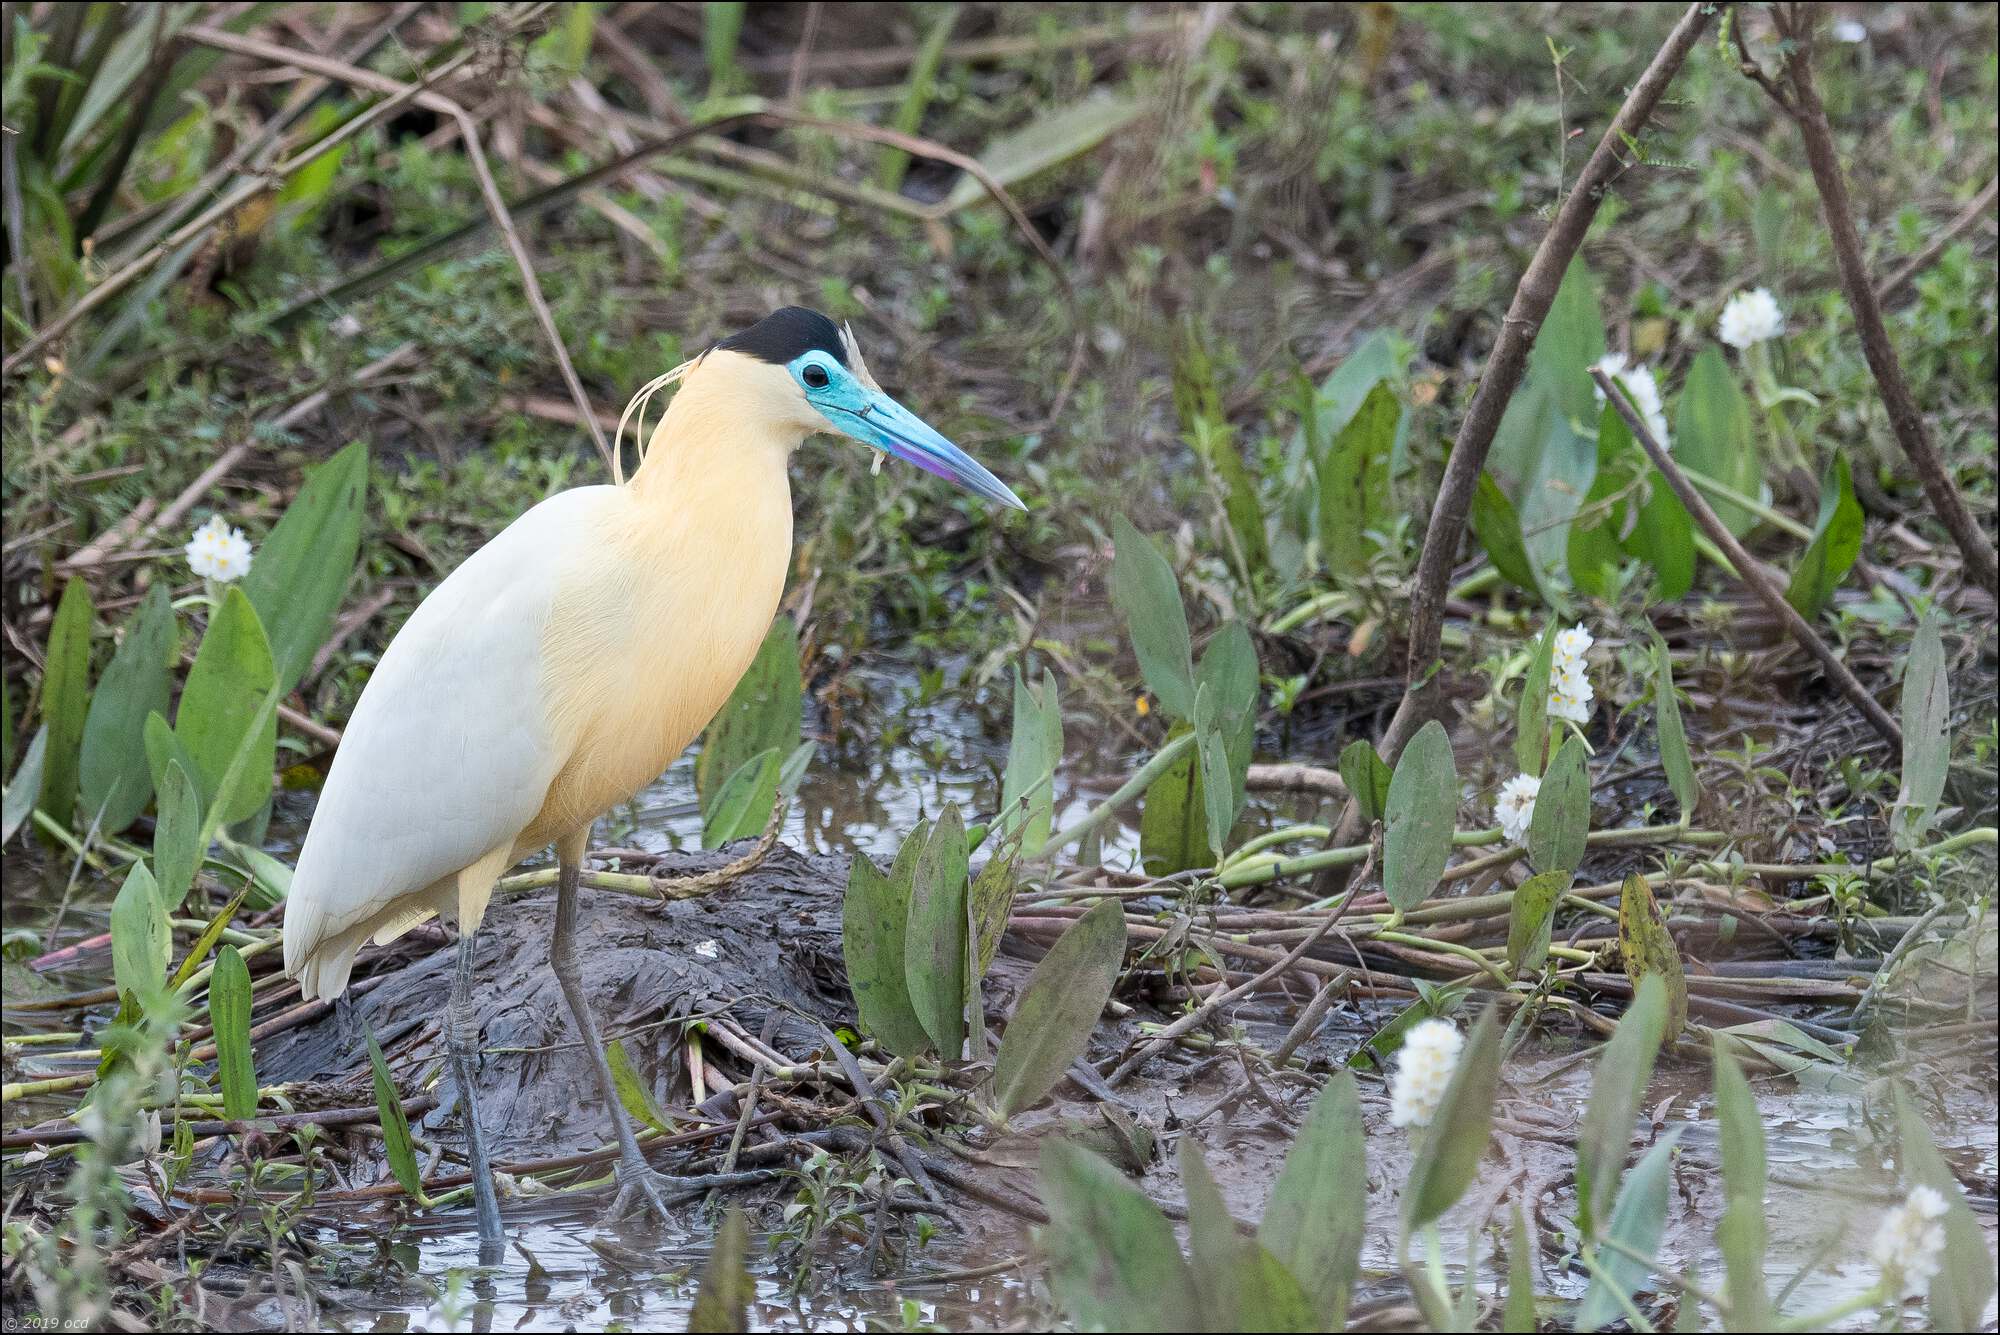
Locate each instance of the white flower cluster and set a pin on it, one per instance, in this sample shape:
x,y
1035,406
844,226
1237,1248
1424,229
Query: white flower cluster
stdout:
x,y
1516,806
1423,1070
1909,1246
1749,318
1642,389
219,552
1569,677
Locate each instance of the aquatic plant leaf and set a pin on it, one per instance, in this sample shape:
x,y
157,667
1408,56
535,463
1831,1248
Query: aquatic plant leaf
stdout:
x,y
1146,594
1636,1225
1648,949
1663,537
1314,1221
1561,823
229,1012
1241,1285
743,804
1048,141
66,701
934,942
1715,435
989,901
1212,751
115,777
1497,525
270,879
1518,1317
1675,758
1059,1007
142,940
1531,721
1741,1234
1448,1159
191,963
1926,734
1623,1068
723,1302
1354,483
1419,817
18,800
396,1143
1027,787
300,573
1113,1262
1531,918
634,1095
1836,541
222,704
874,919
1593,550
1964,1284
1569,343
1173,824
176,834
765,712
1367,777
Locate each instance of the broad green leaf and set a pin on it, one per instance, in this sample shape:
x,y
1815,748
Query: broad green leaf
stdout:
x,y
163,748
220,704
116,779
1636,1225
24,787
212,933
1531,724
66,701
142,940
1048,141
1569,343
1964,1285
1206,428
633,1093
1318,1209
1624,1066
229,1012
723,1301
1354,484
1173,825
1382,355
1218,811
1419,817
989,901
1059,1006
1228,673
874,918
1715,435
1448,1158
1836,541
1545,458
177,850
270,879
1144,591
1663,537
1531,919
297,577
396,1145
1648,949
743,805
1593,552
1113,1262
1741,1234
1240,1284
1498,528
1675,758
934,942
1367,777
1519,1318
765,712
1926,734
1561,821
1027,788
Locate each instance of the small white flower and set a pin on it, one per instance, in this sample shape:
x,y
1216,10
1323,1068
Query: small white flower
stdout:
x,y
1569,678
1571,708
1423,1069
1909,1245
1749,318
1850,31
219,552
1642,389
1515,807
1572,645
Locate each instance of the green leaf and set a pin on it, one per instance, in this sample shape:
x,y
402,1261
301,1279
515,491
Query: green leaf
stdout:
x,y
270,879
1240,1284
1674,755
65,701
1545,457
1532,917
298,576
396,1144
1059,1007
1448,1158
1715,435
1531,725
1569,343
765,712
1354,484
221,703
1382,355
723,1302
26,785
177,847
874,919
1637,1223
229,1011
1741,1234
191,963
142,940
934,942
1561,822
1048,141
1318,1209
1593,551
1419,818
633,1094
744,803
1113,1262
1836,541
989,901
1218,811
1623,1068
1027,788
1173,824
1498,528
116,779
1519,1316
1367,778
1663,537
1964,1285
1144,591
1926,734
1648,949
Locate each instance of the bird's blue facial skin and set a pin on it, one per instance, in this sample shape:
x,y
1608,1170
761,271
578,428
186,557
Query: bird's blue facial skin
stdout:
x,y
878,421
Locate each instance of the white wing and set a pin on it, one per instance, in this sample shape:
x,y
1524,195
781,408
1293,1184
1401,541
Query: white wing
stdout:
x,y
449,752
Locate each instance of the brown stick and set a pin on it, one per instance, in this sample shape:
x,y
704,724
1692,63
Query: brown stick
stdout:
x,y
63,1133
1746,570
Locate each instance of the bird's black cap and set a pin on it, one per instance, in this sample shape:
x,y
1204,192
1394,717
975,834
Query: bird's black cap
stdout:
x,y
783,335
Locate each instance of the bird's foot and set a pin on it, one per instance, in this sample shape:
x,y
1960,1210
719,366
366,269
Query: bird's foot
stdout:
x,y
643,1192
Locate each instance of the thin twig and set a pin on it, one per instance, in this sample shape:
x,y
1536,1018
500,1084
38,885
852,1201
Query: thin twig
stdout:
x,y
1980,207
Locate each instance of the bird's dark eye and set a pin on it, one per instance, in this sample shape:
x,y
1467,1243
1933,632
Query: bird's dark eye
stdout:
x,y
815,376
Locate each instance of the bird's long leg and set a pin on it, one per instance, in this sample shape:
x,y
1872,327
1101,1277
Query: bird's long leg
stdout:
x,y
462,1041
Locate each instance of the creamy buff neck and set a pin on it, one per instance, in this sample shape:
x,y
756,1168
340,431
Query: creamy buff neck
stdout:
x,y
733,422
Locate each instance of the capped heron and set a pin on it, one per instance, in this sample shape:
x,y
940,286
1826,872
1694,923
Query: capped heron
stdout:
x,y
567,663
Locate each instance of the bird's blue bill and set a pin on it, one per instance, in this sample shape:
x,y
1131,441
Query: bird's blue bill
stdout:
x,y
889,426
